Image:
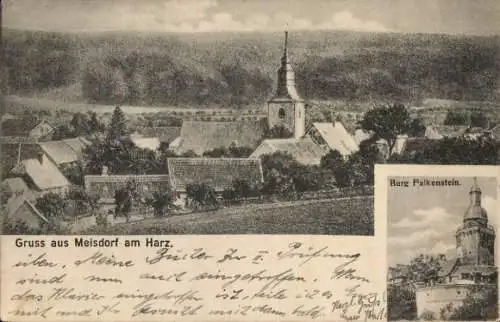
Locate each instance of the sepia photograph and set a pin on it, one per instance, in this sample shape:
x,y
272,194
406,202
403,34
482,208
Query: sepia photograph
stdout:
x,y
441,248
159,117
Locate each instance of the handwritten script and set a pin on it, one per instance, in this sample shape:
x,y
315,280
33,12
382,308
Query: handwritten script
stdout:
x,y
153,278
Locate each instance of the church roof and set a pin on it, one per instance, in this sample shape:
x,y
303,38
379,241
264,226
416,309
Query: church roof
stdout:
x,y
218,172
200,136
337,137
303,150
285,89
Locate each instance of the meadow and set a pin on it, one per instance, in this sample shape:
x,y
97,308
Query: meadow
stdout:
x,y
347,216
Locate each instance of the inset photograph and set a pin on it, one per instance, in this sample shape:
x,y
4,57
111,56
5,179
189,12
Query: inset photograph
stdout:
x,y
441,248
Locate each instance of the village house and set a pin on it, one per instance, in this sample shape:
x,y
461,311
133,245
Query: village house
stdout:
x,y
164,134
105,185
42,175
201,136
333,136
21,209
303,150
26,127
219,173
68,151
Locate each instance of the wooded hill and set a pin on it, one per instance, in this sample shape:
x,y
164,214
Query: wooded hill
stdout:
x,y
236,70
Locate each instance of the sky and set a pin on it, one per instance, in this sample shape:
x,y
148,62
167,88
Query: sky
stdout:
x,y
477,17
424,220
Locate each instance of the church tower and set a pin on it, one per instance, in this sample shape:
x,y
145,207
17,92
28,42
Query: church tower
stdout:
x,y
286,108
475,238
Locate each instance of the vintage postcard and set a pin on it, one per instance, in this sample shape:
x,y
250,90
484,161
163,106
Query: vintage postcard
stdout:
x,y
441,241
215,159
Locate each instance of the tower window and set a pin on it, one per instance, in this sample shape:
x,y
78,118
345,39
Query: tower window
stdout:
x,y
281,113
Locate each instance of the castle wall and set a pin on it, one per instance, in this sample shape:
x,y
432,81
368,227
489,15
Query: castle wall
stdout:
x,y
433,298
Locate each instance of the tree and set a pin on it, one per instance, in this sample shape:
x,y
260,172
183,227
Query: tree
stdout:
x,y
117,128
387,122
480,304
81,124
455,118
161,201
83,201
278,132
52,205
125,198
201,195
478,119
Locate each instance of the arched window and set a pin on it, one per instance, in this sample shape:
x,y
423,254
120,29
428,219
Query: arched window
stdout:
x,y
281,113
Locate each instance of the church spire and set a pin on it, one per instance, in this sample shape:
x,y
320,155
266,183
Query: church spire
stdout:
x,y
286,77
284,59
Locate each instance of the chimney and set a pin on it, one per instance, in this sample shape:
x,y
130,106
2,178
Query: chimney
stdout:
x,y
104,171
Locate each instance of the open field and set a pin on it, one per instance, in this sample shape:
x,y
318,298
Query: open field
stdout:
x,y
14,102
346,216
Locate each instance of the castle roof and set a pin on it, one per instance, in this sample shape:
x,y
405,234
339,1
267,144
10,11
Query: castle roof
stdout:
x,y
200,136
475,210
218,172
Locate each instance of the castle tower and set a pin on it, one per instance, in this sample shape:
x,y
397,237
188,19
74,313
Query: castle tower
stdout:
x,y
475,238
286,108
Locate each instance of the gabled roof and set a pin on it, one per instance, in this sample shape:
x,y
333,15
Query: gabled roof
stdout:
x,y
200,136
163,133
44,175
106,185
15,185
19,126
13,205
303,150
440,131
65,151
218,172
337,137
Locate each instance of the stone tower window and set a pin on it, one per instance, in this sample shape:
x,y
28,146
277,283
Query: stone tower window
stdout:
x,y
281,113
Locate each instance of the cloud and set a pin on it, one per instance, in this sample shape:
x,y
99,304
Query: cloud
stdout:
x,y
428,231
426,218
347,21
167,16
491,207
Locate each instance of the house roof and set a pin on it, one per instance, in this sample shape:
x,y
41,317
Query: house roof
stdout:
x,y
303,150
200,136
44,175
65,151
150,143
20,126
15,185
337,137
163,133
440,131
218,172
106,185
13,205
